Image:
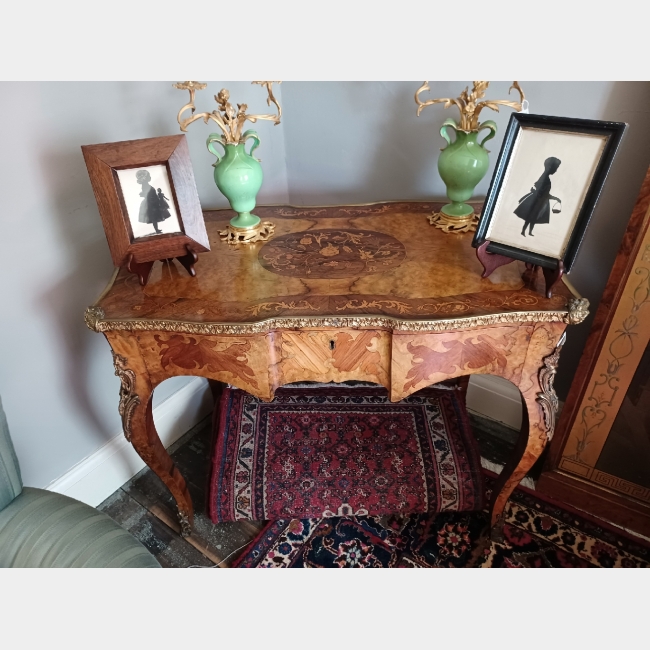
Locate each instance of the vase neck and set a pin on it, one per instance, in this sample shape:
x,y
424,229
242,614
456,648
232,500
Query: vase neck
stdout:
x,y
466,136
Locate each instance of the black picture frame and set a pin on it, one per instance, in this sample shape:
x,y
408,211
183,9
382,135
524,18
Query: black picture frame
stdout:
x,y
612,130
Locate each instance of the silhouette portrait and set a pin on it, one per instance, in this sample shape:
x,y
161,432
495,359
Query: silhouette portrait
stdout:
x,y
149,201
154,207
534,207
545,186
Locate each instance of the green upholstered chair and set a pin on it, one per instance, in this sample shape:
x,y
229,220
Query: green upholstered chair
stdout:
x,y
44,529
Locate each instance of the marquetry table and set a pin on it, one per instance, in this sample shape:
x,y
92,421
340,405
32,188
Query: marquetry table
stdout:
x,y
368,292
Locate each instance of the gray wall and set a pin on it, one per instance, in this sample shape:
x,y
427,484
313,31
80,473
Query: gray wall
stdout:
x,y
339,141
56,377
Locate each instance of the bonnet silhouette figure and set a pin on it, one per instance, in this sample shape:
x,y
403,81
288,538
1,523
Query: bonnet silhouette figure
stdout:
x,y
534,207
154,207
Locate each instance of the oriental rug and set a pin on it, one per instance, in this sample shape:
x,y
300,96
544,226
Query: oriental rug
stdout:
x,y
328,451
537,533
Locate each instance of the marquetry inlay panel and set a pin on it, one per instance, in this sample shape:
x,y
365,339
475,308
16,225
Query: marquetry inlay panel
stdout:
x,y
242,361
419,360
334,355
626,341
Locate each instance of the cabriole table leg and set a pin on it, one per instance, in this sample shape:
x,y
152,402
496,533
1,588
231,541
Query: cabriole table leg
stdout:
x,y
135,408
539,403
530,445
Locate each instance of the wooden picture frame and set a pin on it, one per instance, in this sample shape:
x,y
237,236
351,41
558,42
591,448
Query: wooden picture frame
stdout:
x,y
613,356
118,171
534,148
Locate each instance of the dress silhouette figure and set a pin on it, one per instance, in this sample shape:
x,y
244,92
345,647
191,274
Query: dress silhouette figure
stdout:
x,y
154,207
534,207
163,206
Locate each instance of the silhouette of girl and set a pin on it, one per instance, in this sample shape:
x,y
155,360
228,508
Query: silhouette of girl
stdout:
x,y
534,207
163,206
154,208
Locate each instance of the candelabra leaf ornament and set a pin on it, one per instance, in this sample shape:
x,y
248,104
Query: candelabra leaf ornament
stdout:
x,y
464,162
237,173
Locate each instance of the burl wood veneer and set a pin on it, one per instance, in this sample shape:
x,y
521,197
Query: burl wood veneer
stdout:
x,y
352,292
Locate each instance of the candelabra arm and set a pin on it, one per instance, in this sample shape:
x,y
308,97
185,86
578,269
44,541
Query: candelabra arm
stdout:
x,y
192,87
184,123
269,100
494,104
517,87
448,101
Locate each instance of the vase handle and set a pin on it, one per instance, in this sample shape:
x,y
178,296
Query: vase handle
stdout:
x,y
488,124
443,129
251,134
215,137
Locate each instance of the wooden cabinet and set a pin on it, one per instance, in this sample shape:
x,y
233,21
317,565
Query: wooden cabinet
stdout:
x,y
600,458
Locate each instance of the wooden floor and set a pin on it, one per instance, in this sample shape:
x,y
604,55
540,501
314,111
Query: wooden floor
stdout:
x,y
143,506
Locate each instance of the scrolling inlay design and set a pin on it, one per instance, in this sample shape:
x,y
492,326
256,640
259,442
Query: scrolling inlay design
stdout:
x,y
128,398
399,307
547,398
300,212
483,351
302,305
191,354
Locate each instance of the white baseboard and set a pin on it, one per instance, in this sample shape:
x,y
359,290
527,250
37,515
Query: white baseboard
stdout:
x,y
495,398
99,475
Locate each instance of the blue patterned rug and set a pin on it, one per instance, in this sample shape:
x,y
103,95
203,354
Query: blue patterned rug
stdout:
x,y
538,533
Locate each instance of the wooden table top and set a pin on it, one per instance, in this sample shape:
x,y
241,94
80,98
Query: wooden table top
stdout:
x,y
379,265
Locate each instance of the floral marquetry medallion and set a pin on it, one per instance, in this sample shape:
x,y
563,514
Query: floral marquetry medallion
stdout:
x,y
332,253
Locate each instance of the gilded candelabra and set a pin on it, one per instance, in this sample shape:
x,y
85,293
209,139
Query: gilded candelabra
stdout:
x,y
237,173
464,162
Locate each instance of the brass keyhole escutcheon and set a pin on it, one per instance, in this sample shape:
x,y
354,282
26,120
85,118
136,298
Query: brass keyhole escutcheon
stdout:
x,y
331,345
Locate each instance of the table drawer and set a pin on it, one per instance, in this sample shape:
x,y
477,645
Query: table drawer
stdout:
x,y
334,355
423,359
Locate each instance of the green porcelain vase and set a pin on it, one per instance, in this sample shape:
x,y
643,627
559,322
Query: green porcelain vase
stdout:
x,y
238,174
462,165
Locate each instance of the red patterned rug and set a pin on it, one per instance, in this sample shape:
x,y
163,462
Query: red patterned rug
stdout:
x,y
317,452
538,533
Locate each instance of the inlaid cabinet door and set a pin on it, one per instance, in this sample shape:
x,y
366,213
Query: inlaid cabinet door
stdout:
x,y
608,441
600,458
